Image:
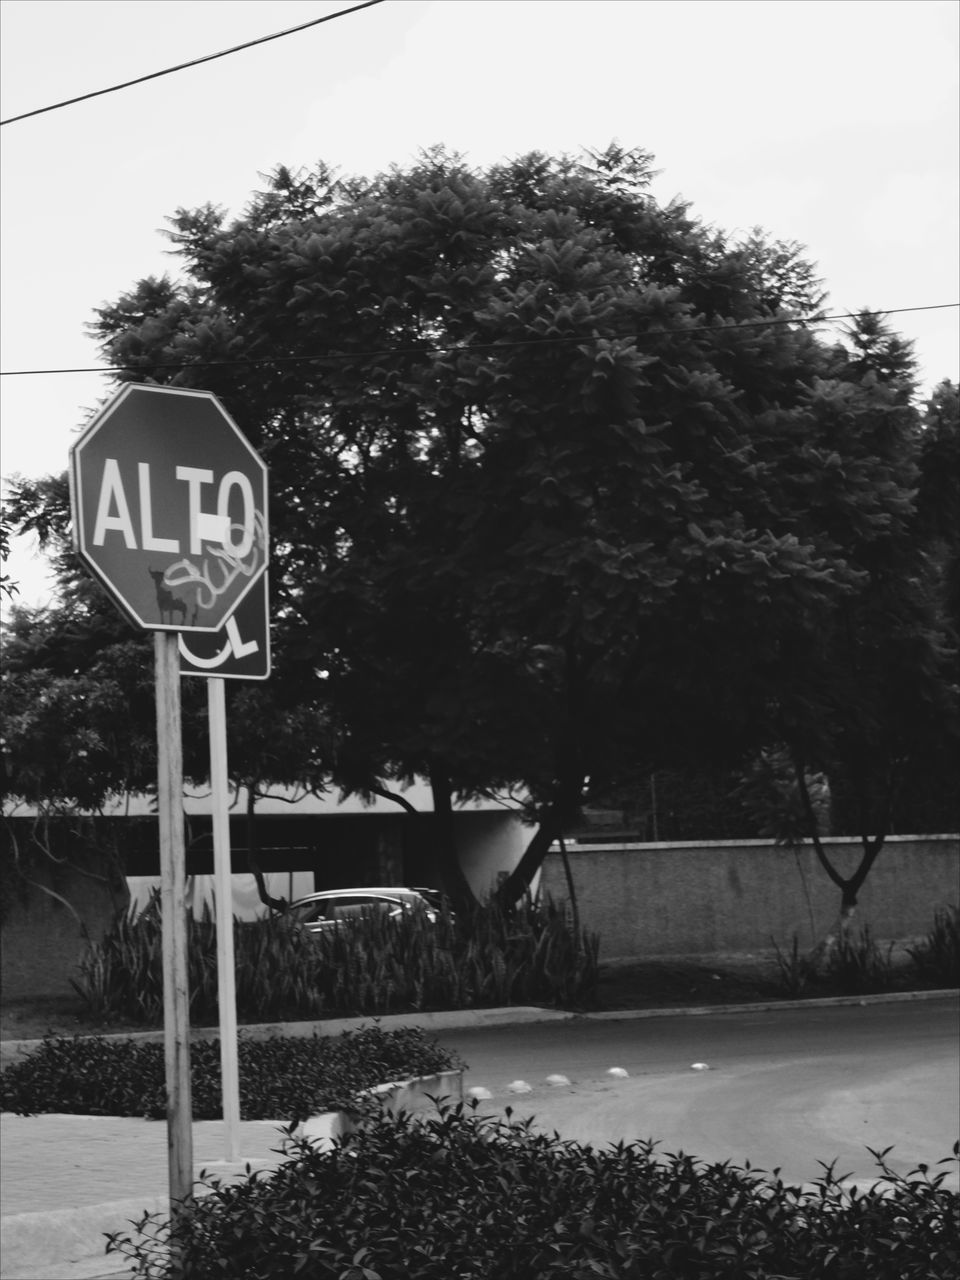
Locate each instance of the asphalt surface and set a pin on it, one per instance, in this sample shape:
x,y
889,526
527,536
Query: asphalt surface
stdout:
x,y
787,1085
790,1088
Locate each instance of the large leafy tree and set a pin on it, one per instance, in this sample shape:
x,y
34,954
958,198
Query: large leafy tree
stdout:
x,y
560,485
869,698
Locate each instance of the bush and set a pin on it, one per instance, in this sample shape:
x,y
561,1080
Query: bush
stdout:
x,y
484,957
456,1195
938,957
857,965
796,971
281,1078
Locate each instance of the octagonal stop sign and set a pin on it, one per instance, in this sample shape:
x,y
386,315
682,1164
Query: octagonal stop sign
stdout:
x,y
170,507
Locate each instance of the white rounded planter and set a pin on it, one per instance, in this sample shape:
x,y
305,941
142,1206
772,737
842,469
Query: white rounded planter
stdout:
x,y
398,1095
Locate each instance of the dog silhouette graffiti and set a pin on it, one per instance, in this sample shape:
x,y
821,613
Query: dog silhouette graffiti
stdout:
x,y
168,603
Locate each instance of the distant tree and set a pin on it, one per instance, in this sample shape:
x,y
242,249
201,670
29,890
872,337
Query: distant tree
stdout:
x,y
77,702
938,498
868,698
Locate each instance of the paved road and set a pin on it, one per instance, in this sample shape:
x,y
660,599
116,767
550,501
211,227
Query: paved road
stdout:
x,y
785,1089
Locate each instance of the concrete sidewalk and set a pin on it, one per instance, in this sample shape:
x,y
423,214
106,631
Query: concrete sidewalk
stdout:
x,y
67,1180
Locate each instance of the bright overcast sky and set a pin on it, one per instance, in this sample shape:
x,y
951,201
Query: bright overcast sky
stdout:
x,y
831,123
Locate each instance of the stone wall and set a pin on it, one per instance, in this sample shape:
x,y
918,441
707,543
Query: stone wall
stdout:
x,y
716,897
47,909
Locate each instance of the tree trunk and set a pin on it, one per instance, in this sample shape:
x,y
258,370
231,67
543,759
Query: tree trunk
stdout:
x,y
253,852
827,947
449,873
849,886
394,797
571,890
518,882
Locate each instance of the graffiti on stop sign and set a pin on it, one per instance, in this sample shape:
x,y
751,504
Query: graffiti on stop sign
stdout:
x,y
216,573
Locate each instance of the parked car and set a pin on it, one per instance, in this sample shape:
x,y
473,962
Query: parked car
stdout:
x,y
330,908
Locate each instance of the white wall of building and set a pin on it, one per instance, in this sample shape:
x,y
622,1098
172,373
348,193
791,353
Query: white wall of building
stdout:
x,y
246,900
489,846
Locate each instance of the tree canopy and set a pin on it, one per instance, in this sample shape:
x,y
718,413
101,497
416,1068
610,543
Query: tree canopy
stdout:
x,y
565,486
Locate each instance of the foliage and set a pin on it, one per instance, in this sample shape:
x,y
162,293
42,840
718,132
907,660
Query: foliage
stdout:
x,y
77,712
77,698
858,965
564,488
8,587
488,956
797,970
77,702
937,957
769,792
281,1078
460,1195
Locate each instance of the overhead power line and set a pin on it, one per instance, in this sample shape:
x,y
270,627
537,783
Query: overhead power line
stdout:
x,y
341,356
210,57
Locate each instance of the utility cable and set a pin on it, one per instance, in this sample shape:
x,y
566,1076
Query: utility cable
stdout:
x,y
815,322
196,62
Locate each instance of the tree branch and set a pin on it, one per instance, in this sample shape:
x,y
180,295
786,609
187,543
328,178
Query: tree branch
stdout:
x,y
386,794
811,816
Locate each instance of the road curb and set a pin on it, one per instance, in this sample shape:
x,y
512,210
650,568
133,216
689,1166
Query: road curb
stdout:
x,y
475,1019
10,1050
771,1006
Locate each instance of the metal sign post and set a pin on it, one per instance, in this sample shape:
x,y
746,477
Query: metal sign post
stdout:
x,y
176,999
241,651
226,973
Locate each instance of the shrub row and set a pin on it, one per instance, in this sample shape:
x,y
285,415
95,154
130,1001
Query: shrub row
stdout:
x,y
460,1196
858,965
485,957
281,1078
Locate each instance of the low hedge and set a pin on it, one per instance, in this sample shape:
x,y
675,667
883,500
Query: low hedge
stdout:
x,y
457,1195
281,1078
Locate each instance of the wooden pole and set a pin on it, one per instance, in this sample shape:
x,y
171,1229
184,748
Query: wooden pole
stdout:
x,y
226,974
176,999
